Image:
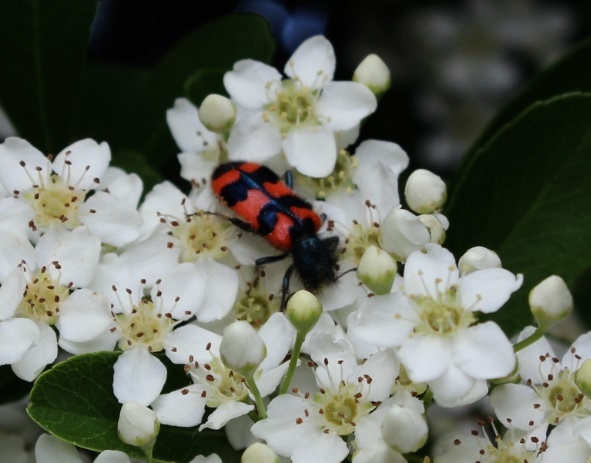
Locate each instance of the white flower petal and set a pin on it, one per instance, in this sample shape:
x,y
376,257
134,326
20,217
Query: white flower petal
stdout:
x,y
113,221
11,293
270,379
112,456
383,368
454,388
517,403
345,104
37,357
195,167
181,290
76,251
383,321
488,289
190,343
222,287
82,163
224,413
13,176
138,377
15,215
253,139
279,336
84,315
313,62
528,358
324,447
184,407
17,336
425,357
188,131
431,272
126,187
50,449
311,150
581,348
248,83
484,352
104,341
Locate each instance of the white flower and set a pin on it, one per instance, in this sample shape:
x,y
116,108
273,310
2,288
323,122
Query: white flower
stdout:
x,y
299,116
202,150
434,325
56,189
308,426
35,291
137,425
550,395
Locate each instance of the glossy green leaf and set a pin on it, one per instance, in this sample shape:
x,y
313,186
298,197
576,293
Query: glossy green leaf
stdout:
x,y
526,195
43,52
74,401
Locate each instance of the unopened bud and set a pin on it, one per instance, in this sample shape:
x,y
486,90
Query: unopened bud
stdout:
x,y
425,192
377,270
478,258
550,301
259,453
242,349
374,74
583,378
138,425
303,311
217,113
403,233
404,429
435,226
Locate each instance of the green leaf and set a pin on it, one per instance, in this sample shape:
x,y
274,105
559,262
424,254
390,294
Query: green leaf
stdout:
x,y
570,73
43,50
75,402
526,195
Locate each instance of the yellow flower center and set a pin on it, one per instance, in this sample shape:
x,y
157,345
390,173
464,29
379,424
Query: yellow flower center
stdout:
x,y
145,326
42,298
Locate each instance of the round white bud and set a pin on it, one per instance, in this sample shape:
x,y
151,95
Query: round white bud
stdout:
x,y
550,301
403,233
217,113
404,429
425,192
374,74
138,425
478,258
259,453
303,310
377,270
242,349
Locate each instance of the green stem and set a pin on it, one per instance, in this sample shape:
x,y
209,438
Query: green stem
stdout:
x,y
252,385
293,363
148,453
537,334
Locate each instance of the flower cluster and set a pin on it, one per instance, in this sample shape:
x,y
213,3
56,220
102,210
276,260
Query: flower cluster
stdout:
x,y
346,372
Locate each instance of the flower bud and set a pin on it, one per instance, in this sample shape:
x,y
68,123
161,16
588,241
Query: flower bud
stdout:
x,y
138,425
583,378
303,311
425,192
242,349
403,233
478,258
259,453
435,227
550,301
377,270
217,113
374,74
404,429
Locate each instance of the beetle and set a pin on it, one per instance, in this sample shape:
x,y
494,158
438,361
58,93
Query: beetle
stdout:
x,y
266,205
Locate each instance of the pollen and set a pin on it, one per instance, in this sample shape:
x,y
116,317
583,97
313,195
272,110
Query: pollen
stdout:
x,y
144,327
341,178
256,305
55,202
42,297
294,105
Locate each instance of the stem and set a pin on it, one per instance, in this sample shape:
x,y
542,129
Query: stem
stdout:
x,y
148,453
537,334
293,363
252,385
